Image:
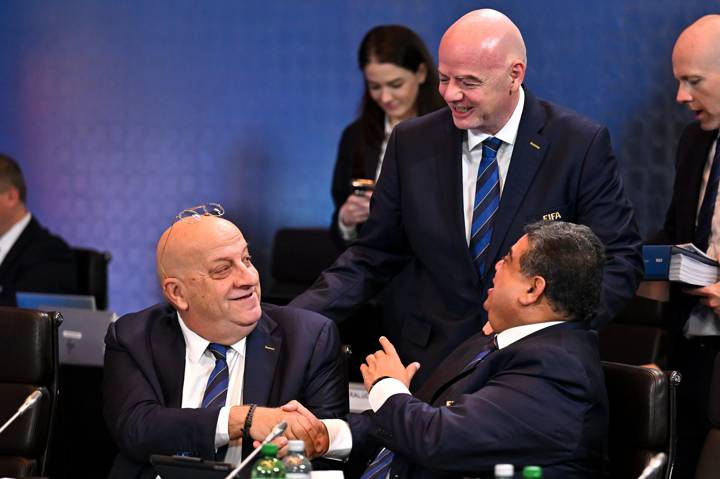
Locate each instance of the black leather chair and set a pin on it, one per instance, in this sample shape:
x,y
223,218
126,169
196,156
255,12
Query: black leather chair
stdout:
x,y
92,277
299,255
28,362
638,335
709,464
642,418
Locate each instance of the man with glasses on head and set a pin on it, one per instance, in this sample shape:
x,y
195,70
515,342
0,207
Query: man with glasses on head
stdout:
x,y
205,374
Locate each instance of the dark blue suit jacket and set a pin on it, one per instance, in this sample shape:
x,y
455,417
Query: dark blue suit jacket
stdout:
x,y
562,165
539,401
38,261
145,367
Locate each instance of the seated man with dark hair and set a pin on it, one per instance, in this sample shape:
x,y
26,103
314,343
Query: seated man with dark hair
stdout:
x,y
31,258
533,393
203,375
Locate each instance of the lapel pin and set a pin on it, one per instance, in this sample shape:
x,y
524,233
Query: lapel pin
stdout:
x,y
555,215
270,348
535,145
449,403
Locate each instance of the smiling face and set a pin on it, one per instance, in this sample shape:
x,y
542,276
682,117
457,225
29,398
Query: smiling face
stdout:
x,y
481,69
211,280
510,287
394,89
696,67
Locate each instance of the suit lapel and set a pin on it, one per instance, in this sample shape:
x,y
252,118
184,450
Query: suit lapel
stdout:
x,y
17,248
168,351
528,153
261,358
689,196
448,170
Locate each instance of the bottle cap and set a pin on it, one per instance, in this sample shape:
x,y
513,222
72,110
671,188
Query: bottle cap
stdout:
x,y
296,445
269,449
532,472
504,470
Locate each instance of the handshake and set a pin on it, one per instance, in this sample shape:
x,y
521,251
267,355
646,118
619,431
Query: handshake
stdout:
x,y
302,424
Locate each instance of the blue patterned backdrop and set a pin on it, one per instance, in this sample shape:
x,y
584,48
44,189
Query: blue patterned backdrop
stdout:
x,y
123,113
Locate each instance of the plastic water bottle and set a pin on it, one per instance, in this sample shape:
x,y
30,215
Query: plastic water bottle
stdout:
x,y
504,471
532,472
297,466
268,465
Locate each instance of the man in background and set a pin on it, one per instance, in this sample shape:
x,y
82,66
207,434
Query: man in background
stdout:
x,y
31,258
694,218
459,185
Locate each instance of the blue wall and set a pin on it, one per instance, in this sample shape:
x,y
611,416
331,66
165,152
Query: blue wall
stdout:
x,y
123,113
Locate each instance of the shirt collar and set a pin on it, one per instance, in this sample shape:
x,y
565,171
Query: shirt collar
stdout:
x,y
196,345
510,335
388,127
508,133
10,237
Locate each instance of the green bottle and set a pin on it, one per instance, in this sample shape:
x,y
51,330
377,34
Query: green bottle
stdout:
x,y
532,472
268,465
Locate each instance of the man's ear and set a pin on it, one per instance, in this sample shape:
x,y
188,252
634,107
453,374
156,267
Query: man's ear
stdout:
x,y
174,291
517,75
534,291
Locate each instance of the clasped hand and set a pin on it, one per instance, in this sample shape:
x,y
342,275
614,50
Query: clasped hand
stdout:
x,y
302,424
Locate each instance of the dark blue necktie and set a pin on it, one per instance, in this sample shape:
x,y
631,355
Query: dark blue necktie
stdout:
x,y
380,466
486,349
217,387
707,209
487,200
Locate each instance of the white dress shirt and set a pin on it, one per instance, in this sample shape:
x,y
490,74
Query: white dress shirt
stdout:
x,y
199,363
472,154
10,237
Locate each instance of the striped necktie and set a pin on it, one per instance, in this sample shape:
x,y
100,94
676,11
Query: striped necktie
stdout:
x,y
487,200
380,466
217,387
707,209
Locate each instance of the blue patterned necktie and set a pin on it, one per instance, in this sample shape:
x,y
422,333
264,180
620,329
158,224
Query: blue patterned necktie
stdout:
x,y
217,387
380,466
707,209
487,349
487,200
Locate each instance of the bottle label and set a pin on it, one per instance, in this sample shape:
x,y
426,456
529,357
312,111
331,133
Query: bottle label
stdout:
x,y
297,475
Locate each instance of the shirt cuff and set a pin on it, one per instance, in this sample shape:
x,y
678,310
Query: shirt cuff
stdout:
x,y
340,439
383,390
222,435
348,233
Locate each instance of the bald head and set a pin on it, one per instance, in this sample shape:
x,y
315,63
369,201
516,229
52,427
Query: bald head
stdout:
x,y
481,63
696,66
184,243
488,35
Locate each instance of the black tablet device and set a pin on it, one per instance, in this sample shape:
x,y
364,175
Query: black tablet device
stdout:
x,y
183,467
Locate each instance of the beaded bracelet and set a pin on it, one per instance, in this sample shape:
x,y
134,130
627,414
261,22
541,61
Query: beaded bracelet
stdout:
x,y
248,423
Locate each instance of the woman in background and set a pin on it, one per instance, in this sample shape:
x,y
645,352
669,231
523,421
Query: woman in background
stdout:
x,y
401,82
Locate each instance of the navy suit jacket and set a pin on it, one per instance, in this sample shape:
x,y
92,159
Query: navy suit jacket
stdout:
x,y
540,401
291,354
38,261
679,227
562,166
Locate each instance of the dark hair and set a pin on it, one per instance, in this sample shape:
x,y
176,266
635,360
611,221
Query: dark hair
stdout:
x,y
402,47
11,175
571,258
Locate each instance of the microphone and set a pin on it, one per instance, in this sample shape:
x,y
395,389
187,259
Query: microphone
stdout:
x,y
276,431
653,465
29,403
